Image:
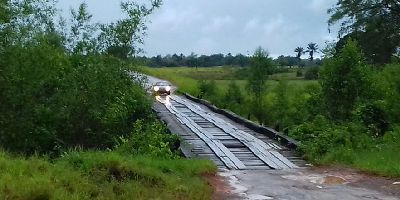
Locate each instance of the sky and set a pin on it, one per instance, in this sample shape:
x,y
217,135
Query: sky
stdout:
x,y
207,27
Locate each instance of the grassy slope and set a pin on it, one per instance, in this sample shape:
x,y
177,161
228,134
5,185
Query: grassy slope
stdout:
x,y
103,175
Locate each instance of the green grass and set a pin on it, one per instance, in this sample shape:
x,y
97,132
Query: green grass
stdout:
x,y
382,161
185,84
186,78
103,175
385,161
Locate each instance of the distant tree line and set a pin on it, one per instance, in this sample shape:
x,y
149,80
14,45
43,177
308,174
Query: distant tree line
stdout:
x,y
239,60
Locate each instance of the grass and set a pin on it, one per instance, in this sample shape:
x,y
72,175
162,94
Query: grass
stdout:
x,y
186,78
185,83
383,161
103,175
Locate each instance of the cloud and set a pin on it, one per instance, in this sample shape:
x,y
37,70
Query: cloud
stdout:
x,y
205,45
251,25
218,23
274,26
175,19
319,6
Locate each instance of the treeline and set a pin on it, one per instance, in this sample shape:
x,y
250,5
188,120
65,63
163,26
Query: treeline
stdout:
x,y
239,60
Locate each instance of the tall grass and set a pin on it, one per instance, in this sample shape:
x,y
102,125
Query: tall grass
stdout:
x,y
384,161
103,175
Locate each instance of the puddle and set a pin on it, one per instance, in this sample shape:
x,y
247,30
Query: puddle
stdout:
x,y
258,197
318,179
239,189
334,180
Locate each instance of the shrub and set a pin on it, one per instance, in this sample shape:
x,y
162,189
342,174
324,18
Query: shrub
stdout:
x,y
51,101
373,116
207,88
389,84
149,139
233,96
312,73
320,137
345,80
299,73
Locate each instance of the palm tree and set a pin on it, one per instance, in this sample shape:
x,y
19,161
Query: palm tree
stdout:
x,y
312,48
299,51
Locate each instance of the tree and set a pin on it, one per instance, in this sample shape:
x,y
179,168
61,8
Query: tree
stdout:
x,y
261,65
121,38
281,107
375,24
233,96
4,13
52,99
81,38
345,81
300,51
312,48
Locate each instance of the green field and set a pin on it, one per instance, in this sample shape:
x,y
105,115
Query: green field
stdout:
x,y
187,78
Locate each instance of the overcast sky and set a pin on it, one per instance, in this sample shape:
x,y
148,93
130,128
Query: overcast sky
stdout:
x,y
226,26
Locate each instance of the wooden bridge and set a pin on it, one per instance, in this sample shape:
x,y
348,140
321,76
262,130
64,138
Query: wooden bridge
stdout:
x,y
228,144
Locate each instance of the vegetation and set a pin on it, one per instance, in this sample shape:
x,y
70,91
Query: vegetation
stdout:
x,y
103,175
238,60
344,76
375,24
312,48
261,66
74,124
300,51
352,116
53,95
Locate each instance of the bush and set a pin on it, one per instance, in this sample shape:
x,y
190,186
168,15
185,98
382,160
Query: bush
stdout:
x,y
299,73
150,139
320,137
52,101
207,88
373,116
345,81
233,96
312,73
388,82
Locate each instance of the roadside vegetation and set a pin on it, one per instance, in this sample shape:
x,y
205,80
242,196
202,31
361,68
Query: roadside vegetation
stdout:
x,y
74,124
